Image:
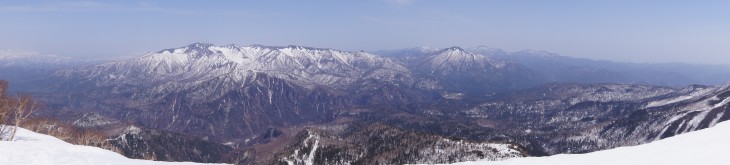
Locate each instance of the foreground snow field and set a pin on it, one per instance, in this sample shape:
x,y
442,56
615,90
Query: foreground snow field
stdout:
x,y
32,148
706,147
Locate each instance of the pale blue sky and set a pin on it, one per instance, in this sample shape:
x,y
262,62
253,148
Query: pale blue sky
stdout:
x,y
631,30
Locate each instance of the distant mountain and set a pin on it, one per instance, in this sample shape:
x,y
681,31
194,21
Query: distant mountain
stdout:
x,y
556,68
29,59
455,59
458,71
552,67
25,67
28,70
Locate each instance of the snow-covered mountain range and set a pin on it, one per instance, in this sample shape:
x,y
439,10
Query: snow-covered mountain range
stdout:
x,y
305,66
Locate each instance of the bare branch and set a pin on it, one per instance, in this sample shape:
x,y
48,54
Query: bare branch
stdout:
x,y
21,108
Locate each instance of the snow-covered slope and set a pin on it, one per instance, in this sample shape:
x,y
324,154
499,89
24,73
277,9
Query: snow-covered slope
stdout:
x,y
32,148
705,147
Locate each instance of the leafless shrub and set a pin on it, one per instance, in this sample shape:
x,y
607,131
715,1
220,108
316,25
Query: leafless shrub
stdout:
x,y
20,109
13,111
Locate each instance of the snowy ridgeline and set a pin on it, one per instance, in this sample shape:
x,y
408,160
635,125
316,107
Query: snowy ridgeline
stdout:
x,y
32,148
706,147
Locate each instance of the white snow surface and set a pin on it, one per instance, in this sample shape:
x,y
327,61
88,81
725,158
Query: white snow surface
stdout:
x,y
32,148
706,147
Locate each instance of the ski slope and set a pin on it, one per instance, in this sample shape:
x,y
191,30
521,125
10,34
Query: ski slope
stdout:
x,y
32,148
706,147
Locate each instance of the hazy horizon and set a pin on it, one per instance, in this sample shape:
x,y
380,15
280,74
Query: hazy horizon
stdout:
x,y
622,31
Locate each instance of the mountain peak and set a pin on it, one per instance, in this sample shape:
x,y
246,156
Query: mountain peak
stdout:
x,y
297,47
456,59
200,44
306,47
455,50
